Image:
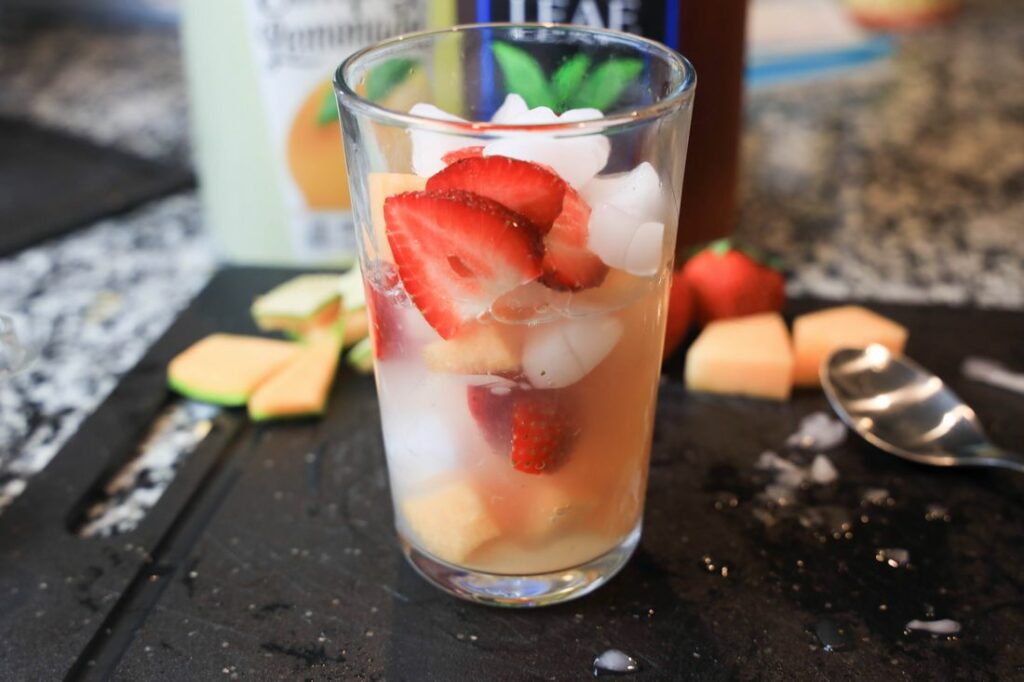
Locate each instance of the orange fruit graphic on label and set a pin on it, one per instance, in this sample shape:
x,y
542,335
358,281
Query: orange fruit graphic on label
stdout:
x,y
316,156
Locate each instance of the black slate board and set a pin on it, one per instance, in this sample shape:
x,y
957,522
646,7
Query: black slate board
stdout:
x,y
52,182
272,556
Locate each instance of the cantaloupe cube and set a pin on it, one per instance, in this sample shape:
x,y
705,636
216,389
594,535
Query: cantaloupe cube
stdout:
x,y
382,186
478,349
450,521
743,356
225,369
301,387
817,334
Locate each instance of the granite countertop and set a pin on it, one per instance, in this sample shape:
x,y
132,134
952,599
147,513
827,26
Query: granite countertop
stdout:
x,y
900,182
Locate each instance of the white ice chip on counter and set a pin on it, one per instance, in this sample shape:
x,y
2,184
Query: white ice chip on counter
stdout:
x,y
637,192
560,354
428,147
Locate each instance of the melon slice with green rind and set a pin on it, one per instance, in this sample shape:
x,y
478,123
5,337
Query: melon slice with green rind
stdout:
x,y
225,369
301,388
300,304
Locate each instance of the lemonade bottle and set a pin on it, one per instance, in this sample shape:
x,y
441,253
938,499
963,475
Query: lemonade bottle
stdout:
x,y
265,123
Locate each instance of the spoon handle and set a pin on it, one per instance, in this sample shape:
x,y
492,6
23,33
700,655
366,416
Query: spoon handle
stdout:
x,y
997,457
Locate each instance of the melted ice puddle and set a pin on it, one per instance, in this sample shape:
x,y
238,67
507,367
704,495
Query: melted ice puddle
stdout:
x,y
895,557
935,627
615,662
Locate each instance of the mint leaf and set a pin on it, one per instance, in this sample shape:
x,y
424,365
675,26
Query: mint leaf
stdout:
x,y
606,83
385,76
523,75
328,109
566,80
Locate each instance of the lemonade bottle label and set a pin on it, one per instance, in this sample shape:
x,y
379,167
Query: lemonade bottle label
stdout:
x,y
297,45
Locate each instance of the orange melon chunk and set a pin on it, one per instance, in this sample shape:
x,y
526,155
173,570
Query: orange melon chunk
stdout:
x,y
748,356
382,186
301,387
225,369
817,334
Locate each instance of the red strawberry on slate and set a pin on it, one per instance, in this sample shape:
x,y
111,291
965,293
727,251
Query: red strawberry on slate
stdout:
x,y
457,252
530,190
568,263
460,154
541,432
680,313
727,282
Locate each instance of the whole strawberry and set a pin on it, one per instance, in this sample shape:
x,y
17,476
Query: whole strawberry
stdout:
x,y
728,282
680,313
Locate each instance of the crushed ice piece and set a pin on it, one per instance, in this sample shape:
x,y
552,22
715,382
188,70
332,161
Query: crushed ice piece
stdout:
x,y
428,147
575,159
945,626
770,461
615,662
896,557
781,495
936,512
823,471
876,496
624,241
562,353
818,431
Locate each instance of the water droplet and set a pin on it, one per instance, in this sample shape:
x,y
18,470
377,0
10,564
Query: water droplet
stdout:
x,y
832,637
896,557
615,662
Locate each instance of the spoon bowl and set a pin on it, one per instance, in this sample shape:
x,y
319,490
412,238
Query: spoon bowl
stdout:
x,y
902,408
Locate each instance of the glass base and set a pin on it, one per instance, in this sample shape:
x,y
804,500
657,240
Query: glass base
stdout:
x,y
522,591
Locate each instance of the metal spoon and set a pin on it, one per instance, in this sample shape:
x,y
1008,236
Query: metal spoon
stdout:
x,y
902,408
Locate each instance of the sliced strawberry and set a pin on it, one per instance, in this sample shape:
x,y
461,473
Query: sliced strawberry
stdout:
x,y
457,252
541,432
533,191
460,154
491,407
568,263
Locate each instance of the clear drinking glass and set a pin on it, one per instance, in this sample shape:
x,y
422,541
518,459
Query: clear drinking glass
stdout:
x,y
515,191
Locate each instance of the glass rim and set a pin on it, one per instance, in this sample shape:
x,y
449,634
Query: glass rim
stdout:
x,y
679,96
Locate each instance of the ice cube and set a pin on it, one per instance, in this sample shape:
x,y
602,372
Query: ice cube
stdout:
x,y
637,192
610,232
584,114
561,353
625,241
643,257
429,147
575,159
426,422
510,110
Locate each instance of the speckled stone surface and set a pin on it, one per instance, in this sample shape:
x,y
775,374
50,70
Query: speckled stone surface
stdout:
x,y
901,182
904,182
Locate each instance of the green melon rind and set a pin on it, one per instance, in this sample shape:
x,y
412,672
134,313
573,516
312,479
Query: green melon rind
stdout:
x,y
237,400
